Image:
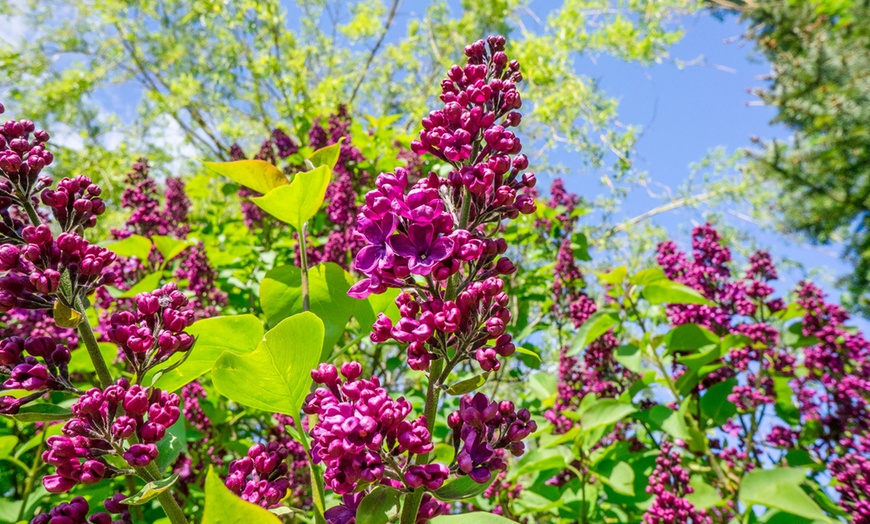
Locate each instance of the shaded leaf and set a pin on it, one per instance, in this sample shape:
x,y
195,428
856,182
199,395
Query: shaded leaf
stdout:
x,y
150,491
377,505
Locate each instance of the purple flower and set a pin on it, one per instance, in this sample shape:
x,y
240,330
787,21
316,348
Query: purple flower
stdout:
x,y
376,233
421,247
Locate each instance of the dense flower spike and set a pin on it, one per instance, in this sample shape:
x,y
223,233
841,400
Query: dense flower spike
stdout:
x,y
481,428
155,331
103,421
76,203
76,512
37,364
361,432
148,218
669,483
261,477
437,233
33,270
23,156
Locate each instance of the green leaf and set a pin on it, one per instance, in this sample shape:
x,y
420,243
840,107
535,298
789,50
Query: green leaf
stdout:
x,y
239,334
172,444
42,413
7,445
780,488
65,316
604,412
132,246
147,284
648,276
223,507
326,156
529,357
275,376
704,495
468,385
376,506
715,404
259,175
595,326
297,203
281,297
785,406
666,291
621,479
170,247
543,386
150,491
629,356
614,277
689,338
366,311
474,517
665,419
462,488
793,336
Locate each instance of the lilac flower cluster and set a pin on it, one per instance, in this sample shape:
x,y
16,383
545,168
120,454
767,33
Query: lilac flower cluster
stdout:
x,y
147,218
432,236
503,492
155,331
20,361
261,477
345,513
76,203
32,271
362,432
852,472
481,428
76,512
104,421
22,159
669,483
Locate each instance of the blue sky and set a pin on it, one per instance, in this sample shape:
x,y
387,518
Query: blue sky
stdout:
x,y
687,111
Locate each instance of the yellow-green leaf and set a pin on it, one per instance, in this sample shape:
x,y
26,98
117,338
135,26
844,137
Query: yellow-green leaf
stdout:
x,y
259,175
223,507
297,203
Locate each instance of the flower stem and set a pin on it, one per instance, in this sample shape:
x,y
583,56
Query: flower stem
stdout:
x,y
317,491
303,256
31,475
92,346
430,411
170,506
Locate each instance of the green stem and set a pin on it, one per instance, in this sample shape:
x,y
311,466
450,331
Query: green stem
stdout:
x,y
131,487
430,411
318,490
170,506
92,346
31,476
303,256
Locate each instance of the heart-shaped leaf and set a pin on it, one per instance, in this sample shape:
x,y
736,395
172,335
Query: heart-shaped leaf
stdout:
x,y
276,376
296,203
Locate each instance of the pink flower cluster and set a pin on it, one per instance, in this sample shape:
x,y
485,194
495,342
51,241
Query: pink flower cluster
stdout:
x,y
28,373
32,272
22,159
261,477
103,421
76,512
76,203
155,331
669,483
362,432
481,428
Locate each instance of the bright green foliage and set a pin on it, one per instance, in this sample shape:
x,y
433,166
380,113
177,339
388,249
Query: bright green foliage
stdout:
x,y
296,203
275,376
